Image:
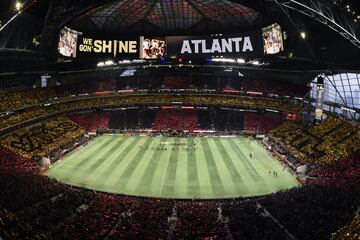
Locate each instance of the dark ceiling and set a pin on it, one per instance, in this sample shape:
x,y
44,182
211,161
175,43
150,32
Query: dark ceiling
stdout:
x,y
170,16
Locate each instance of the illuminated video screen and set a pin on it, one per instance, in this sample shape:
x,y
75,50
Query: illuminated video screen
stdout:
x,y
273,39
68,42
153,47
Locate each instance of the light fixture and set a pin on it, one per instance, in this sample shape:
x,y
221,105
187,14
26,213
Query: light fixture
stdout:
x,y
240,60
101,64
303,35
109,63
18,6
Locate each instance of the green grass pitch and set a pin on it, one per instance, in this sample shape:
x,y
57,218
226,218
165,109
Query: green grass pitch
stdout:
x,y
216,167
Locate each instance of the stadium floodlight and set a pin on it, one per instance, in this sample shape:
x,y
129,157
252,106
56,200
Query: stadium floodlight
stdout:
x,y
109,63
303,35
138,61
348,109
229,60
125,61
101,64
18,6
240,60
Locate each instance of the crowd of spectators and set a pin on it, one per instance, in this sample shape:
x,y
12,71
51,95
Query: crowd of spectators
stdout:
x,y
46,216
96,102
91,121
269,121
11,227
74,89
147,219
11,162
20,191
205,119
279,87
344,172
177,81
227,120
312,212
94,220
198,220
132,119
37,207
247,220
348,232
14,99
319,144
219,119
251,122
44,139
106,85
176,119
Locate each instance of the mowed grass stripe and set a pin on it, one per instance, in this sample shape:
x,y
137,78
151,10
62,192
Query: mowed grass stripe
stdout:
x,y
83,158
203,173
80,168
181,171
192,182
107,177
121,154
225,176
215,180
168,188
262,158
249,167
147,178
236,177
106,156
103,160
98,156
125,177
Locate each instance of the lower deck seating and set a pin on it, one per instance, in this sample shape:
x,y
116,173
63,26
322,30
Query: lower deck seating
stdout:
x,y
198,220
11,162
269,121
345,172
38,207
132,119
317,143
43,140
350,232
176,119
91,121
255,224
177,82
97,219
227,120
251,122
147,220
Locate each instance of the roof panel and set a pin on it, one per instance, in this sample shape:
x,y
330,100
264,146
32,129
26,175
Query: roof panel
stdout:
x,y
170,15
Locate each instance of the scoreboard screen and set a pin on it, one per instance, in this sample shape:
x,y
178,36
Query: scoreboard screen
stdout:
x,y
257,43
68,39
273,39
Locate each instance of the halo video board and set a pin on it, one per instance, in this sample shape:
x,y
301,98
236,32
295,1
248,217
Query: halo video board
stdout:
x,y
258,43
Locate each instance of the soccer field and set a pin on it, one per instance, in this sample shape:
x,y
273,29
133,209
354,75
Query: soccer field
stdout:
x,y
183,168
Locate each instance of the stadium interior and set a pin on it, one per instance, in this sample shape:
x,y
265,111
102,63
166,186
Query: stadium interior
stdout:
x,y
180,119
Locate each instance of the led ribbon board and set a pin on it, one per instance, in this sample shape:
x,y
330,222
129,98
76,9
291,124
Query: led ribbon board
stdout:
x,y
241,45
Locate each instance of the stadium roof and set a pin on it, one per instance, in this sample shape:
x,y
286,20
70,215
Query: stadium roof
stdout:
x,y
170,16
324,47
